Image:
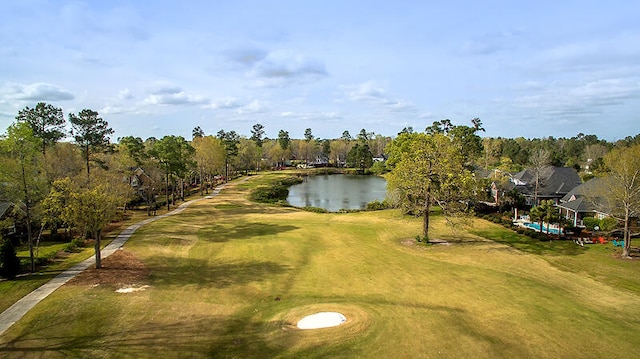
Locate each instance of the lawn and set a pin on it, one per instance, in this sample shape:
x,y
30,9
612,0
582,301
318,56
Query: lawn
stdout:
x,y
230,279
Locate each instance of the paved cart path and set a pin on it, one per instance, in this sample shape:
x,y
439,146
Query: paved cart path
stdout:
x,y
22,306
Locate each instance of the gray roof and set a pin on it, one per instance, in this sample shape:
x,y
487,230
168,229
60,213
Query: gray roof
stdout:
x,y
585,198
554,181
4,207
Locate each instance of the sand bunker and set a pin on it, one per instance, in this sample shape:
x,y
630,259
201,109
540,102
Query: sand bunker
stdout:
x,y
132,289
321,320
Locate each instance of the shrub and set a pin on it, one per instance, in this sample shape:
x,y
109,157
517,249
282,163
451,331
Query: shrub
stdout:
x,y
9,261
608,224
74,245
314,209
590,223
377,205
346,210
379,168
275,192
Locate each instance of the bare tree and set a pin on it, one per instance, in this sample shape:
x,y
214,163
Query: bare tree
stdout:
x,y
538,160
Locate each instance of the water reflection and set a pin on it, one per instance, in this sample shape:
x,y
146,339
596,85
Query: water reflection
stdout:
x,y
335,192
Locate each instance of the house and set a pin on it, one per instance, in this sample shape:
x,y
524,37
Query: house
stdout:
x,y
581,202
553,183
320,161
380,158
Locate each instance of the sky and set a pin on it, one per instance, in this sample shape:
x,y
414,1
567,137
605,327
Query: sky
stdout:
x,y
154,68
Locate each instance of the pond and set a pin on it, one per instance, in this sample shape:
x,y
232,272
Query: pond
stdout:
x,y
336,192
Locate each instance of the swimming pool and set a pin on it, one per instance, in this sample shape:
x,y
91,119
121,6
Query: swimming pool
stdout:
x,y
536,226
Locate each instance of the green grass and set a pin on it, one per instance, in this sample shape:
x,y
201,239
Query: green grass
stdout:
x,y
230,278
54,261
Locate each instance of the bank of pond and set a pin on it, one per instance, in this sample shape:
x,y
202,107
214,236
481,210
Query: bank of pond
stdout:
x,y
325,192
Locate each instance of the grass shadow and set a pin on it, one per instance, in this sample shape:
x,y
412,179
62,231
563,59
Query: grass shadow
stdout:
x,y
224,233
530,245
208,337
189,271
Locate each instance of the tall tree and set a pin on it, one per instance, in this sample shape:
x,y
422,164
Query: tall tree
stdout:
x,y
175,155
539,159
91,134
230,141
46,121
55,207
621,188
134,148
197,133
346,136
209,157
257,133
21,172
308,137
428,169
249,154
92,209
360,155
285,142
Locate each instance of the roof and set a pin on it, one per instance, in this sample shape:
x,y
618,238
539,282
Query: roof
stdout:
x,y
585,198
4,207
553,181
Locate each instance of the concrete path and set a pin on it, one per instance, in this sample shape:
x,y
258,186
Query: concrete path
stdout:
x,y
22,306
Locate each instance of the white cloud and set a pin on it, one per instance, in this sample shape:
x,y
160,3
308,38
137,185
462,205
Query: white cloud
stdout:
x,y
169,94
366,91
35,92
311,116
570,100
371,92
224,103
124,95
400,106
254,106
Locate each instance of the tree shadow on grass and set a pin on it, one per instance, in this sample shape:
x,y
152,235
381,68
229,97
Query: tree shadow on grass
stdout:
x,y
224,233
206,337
189,271
534,246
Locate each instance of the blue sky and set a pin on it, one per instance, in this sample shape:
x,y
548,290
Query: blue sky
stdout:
x,y
152,68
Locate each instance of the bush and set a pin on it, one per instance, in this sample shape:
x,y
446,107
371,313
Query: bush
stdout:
x,y
314,209
9,261
608,224
74,245
379,168
591,223
377,205
275,192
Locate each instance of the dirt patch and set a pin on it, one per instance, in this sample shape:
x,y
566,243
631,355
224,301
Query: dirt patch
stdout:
x,y
121,269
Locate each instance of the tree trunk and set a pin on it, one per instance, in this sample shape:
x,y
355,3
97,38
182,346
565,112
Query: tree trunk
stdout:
x,y
201,183
226,170
86,153
166,190
182,189
626,249
28,215
97,250
425,222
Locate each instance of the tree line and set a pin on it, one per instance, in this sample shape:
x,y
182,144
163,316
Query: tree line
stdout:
x,y
79,186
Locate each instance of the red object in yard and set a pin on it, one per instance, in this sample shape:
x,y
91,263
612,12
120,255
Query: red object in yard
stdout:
x,y
601,240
